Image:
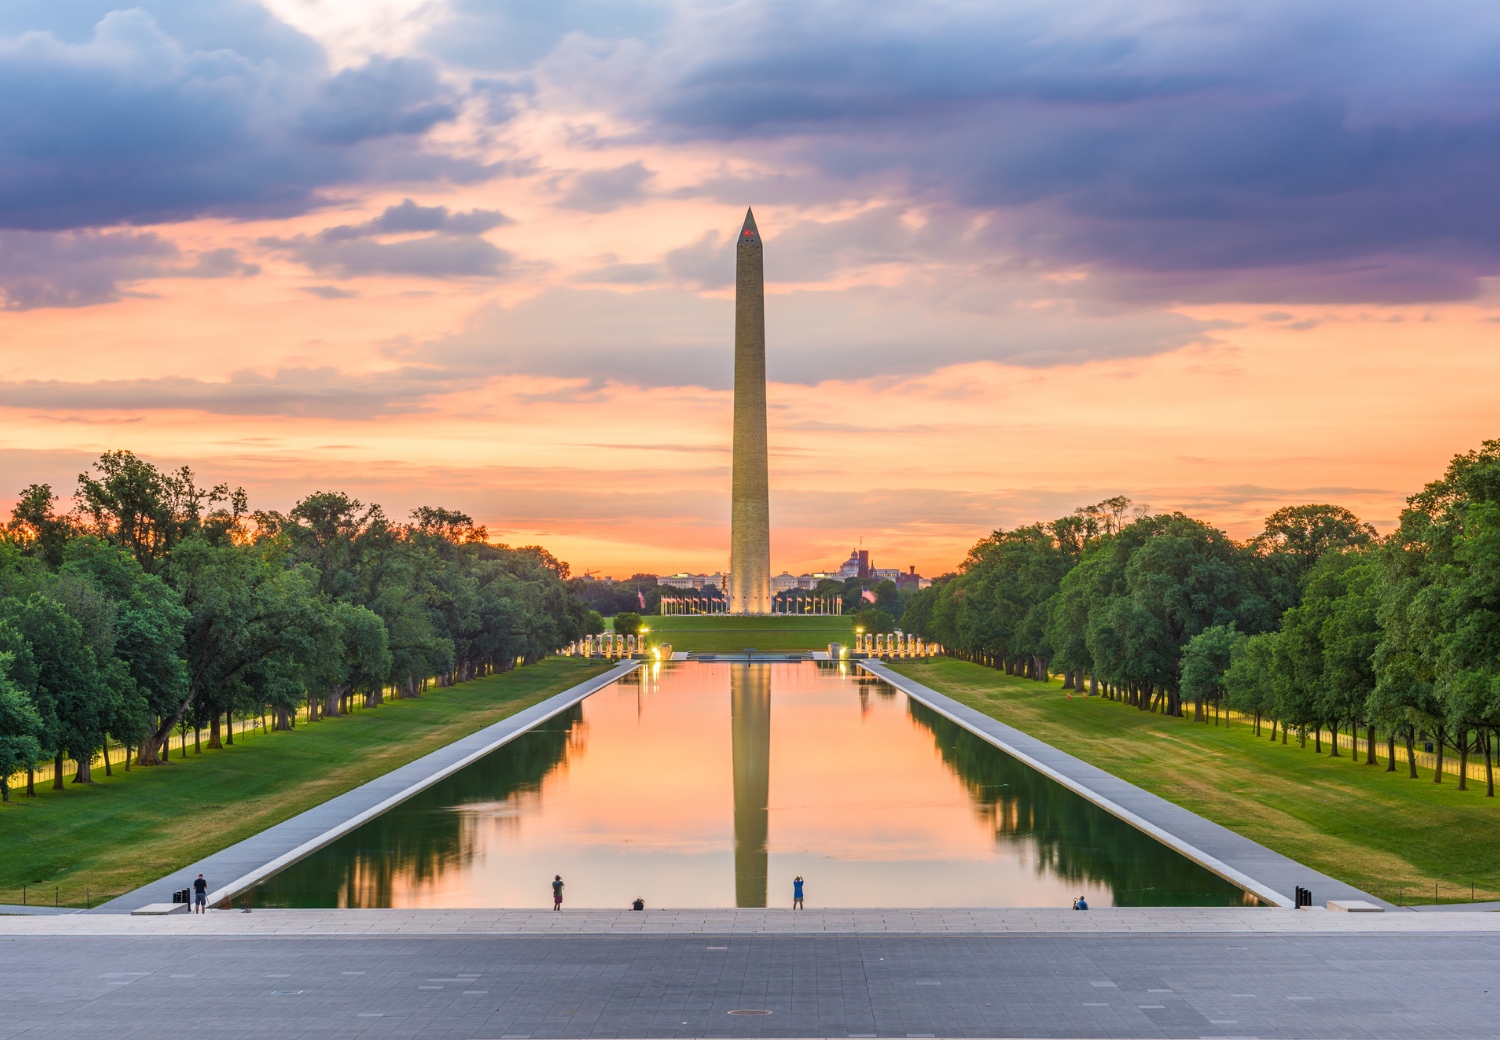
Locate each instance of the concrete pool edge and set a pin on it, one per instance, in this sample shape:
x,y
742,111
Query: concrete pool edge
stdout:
x,y
259,856
1214,847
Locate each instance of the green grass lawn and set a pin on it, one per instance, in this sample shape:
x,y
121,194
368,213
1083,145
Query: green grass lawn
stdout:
x,y
720,633
1373,829
98,841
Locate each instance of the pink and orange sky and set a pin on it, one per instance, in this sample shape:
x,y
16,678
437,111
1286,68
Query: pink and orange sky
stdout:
x,y
1019,259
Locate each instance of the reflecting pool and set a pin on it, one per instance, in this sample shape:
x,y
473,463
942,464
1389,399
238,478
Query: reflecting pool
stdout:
x,y
715,784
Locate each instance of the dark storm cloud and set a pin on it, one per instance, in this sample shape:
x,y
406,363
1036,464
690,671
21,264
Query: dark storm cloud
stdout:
x,y
1266,149
131,125
453,248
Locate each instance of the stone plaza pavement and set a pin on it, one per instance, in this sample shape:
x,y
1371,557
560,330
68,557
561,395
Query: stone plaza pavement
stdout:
x,y
488,975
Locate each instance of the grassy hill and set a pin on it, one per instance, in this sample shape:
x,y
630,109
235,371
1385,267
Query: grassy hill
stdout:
x,y
719,634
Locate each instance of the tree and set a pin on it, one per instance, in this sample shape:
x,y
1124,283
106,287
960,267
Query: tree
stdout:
x,y
137,507
35,521
1351,632
1440,616
1307,532
1205,659
248,619
1140,594
62,678
148,622
21,729
1327,641
627,623
1295,538
874,620
1248,684
917,617
995,610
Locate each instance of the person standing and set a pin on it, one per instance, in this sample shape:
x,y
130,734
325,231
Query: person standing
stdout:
x,y
797,892
557,887
200,896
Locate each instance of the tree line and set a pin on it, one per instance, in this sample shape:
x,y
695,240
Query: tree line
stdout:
x,y
155,603
1315,625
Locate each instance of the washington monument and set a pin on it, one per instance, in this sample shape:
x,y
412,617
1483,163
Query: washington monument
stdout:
x,y
750,505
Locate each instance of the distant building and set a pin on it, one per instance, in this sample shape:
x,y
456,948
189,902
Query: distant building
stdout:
x,y
785,582
911,580
692,581
856,566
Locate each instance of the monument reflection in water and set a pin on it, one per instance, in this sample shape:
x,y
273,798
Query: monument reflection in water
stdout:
x,y
682,785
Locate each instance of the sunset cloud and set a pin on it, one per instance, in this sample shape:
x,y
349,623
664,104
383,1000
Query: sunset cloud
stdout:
x,y
1018,257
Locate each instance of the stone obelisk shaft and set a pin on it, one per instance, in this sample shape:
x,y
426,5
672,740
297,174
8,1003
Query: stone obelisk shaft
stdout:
x,y
750,504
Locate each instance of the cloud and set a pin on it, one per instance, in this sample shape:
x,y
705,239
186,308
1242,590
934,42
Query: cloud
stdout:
x,y
290,392
131,125
386,97
658,337
453,248
244,26
705,264
80,268
600,191
219,263
408,216
482,34
329,292
1274,148
621,274
674,337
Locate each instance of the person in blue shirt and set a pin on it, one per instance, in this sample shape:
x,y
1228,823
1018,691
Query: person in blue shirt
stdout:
x,y
797,893
1080,903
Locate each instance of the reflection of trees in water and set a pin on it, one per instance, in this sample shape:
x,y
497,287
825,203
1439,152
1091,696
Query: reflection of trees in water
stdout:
x,y
884,690
1073,838
432,833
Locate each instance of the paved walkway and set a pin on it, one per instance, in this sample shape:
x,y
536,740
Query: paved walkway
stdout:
x,y
237,868
477,987
1270,875
545,923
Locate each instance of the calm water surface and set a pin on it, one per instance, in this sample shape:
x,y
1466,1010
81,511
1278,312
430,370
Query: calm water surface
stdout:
x,y
713,785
